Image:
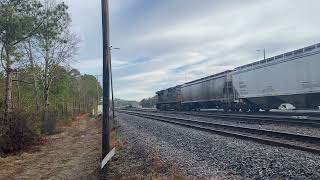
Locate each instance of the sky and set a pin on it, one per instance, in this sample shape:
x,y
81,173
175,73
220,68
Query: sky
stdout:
x,y
164,43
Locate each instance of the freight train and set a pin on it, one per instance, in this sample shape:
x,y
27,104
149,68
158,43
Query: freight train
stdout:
x,y
292,77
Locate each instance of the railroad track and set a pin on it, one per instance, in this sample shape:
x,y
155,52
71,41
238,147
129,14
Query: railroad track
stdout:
x,y
252,118
313,114
275,138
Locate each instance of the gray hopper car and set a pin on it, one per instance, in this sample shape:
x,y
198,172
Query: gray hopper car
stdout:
x,y
210,92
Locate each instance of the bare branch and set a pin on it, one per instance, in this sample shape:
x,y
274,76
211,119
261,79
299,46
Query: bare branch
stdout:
x,y
17,80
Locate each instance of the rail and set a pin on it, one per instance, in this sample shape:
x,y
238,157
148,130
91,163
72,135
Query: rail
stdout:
x,y
287,119
288,140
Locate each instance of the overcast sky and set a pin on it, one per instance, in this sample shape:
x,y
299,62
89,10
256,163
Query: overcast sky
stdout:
x,y
168,42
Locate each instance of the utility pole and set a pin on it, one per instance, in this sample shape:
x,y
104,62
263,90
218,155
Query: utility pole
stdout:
x,y
106,78
113,115
98,97
264,53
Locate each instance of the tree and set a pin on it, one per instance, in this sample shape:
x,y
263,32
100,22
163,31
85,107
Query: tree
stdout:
x,y
34,69
1,88
56,46
75,90
19,20
123,103
90,92
36,48
149,102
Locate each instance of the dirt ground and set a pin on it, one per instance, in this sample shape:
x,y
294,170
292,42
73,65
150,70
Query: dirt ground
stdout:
x,y
74,153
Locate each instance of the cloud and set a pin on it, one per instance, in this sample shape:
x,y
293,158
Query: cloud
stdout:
x,y
151,76
168,42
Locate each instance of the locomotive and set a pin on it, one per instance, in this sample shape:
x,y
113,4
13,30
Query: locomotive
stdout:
x,y
292,77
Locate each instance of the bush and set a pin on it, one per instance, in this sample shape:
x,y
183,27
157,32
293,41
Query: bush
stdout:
x,y
17,134
56,119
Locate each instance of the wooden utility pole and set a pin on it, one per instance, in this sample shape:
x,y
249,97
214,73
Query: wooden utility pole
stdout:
x,y
106,79
112,98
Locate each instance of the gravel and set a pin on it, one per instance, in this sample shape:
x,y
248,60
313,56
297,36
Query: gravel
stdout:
x,y
204,155
310,131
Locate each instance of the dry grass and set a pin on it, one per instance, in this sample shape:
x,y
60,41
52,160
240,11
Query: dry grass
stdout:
x,y
117,140
176,173
156,161
72,154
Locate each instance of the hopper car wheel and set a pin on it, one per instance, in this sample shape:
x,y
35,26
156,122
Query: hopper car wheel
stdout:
x,y
245,109
236,110
226,109
255,109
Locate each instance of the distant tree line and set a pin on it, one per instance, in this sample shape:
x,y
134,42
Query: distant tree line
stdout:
x,y
38,87
149,102
124,103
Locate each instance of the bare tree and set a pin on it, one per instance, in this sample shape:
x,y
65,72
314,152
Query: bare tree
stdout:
x,y
60,54
55,46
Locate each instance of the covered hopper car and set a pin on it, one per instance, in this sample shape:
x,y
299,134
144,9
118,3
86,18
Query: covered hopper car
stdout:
x,y
292,77
214,91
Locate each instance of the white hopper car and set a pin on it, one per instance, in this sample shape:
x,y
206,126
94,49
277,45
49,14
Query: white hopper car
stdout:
x,y
292,77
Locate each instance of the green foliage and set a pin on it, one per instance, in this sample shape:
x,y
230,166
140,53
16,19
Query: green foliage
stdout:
x,y
90,86
70,93
90,92
18,20
22,87
61,88
55,21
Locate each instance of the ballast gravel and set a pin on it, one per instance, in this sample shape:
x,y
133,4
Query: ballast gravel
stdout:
x,y
204,155
294,129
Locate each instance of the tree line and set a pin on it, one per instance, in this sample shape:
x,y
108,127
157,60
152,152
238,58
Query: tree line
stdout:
x,y
38,86
124,103
149,102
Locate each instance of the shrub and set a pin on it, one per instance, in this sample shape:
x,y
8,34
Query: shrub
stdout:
x,y
17,134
